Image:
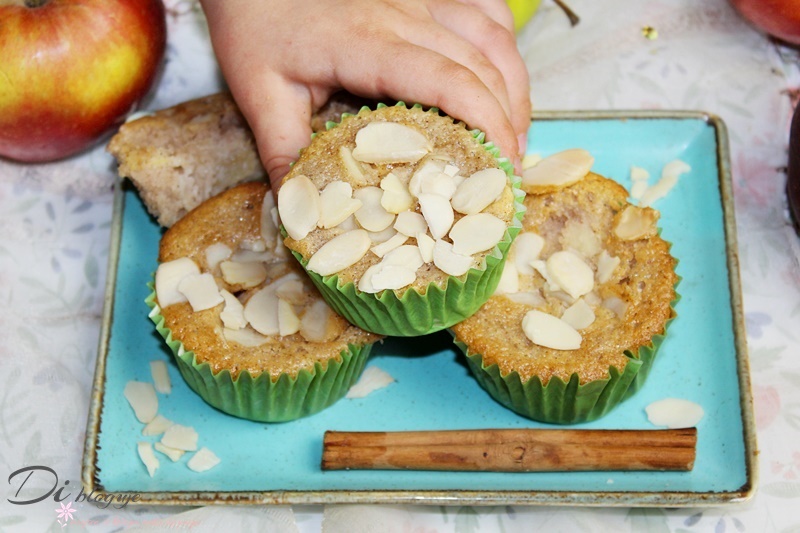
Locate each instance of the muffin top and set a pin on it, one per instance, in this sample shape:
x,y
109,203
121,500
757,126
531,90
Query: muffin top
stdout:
x,y
232,294
395,198
586,280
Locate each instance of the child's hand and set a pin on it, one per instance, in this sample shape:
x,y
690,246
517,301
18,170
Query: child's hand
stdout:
x,y
282,59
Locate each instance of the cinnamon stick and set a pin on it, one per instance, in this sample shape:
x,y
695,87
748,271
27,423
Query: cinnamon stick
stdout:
x,y
511,450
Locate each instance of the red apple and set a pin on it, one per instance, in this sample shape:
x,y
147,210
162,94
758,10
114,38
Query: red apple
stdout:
x,y
779,18
70,70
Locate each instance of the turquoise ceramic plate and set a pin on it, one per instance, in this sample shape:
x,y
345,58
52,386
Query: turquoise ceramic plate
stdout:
x,y
702,360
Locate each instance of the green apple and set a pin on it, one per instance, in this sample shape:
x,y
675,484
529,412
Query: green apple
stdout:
x,y
523,10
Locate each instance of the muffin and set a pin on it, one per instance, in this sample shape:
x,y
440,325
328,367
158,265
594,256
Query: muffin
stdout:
x,y
584,302
250,333
401,217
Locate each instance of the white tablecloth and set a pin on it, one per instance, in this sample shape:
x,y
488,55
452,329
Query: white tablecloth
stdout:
x,y
54,242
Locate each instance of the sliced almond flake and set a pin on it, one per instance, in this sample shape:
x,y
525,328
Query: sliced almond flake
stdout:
x,y
392,277
387,246
530,160
365,282
476,233
532,299
340,252
204,459
571,273
578,235
371,215
248,275
616,305
526,249
142,398
201,290
169,275
261,311
639,177
606,264
541,267
407,255
353,167
246,337
148,457
232,314
410,223
634,223
299,206
348,224
450,262
158,370
318,323
440,184
377,237
558,170
669,178
156,426
425,245
371,380
396,197
172,453
428,169
390,142
288,321
216,253
257,245
509,279
479,190
293,291
269,223
273,212
180,437
451,170
551,332
438,214
249,256
674,413
336,204
579,315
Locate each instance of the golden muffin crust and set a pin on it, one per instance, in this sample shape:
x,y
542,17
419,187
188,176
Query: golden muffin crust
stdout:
x,y
232,218
644,280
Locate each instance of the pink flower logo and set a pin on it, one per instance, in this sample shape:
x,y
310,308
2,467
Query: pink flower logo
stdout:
x,y
65,513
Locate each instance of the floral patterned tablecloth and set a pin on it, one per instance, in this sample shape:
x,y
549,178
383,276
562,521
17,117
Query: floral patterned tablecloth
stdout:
x,y
54,244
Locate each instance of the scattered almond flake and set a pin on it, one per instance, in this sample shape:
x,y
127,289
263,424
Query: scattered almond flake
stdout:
x,y
292,290
336,204
479,191
410,223
509,279
391,277
288,321
156,426
407,255
248,275
299,206
558,170
425,244
142,398
448,261
340,252
371,380
578,236
180,437
579,315
148,457
633,223
674,413
532,299
530,160
246,337
387,246
558,294
318,323
541,267
476,233
172,453
423,173
353,167
215,253
204,459
549,331
639,177
268,220
616,305
451,170
440,184
371,215
275,216
348,224
168,275
570,273
606,264
390,142
438,214
396,197
261,311
249,256
253,245
232,314
525,249
377,237
201,290
669,178
158,370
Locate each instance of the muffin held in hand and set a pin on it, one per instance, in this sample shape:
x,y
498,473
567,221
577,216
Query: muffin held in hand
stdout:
x,y
584,300
402,218
250,333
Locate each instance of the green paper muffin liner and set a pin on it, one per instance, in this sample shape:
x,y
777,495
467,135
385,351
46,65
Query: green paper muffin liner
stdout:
x,y
558,402
413,313
260,398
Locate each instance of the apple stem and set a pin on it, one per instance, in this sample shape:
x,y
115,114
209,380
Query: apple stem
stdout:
x,y
35,3
574,19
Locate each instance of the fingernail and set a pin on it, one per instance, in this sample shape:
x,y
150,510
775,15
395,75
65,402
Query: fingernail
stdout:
x,y
522,139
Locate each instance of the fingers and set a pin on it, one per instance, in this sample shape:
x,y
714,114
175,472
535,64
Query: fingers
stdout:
x,y
497,10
